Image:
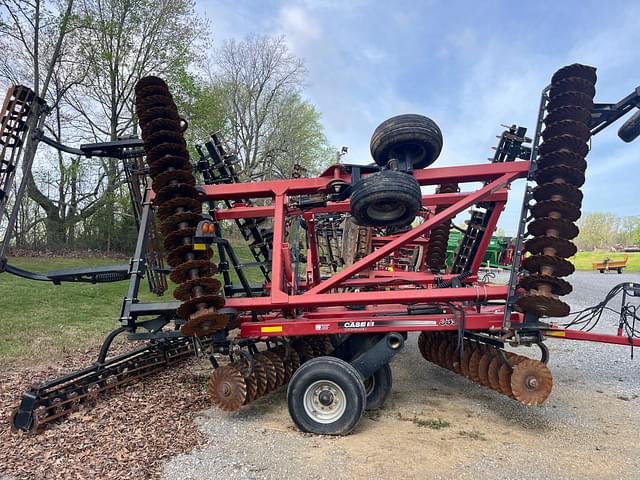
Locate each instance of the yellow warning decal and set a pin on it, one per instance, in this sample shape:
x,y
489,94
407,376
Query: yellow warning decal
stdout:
x,y
552,333
274,329
199,246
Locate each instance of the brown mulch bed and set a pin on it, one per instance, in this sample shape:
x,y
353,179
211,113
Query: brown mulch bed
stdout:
x,y
127,435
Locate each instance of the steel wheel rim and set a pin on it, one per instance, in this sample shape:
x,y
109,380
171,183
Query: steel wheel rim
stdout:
x,y
334,398
386,210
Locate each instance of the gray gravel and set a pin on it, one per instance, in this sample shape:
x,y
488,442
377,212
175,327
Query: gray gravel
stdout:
x,y
588,428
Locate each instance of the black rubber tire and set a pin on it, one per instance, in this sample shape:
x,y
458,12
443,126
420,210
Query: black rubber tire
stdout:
x,y
378,387
412,134
630,130
389,198
338,372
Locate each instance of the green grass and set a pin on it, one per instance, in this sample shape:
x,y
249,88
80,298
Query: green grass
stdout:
x,y
583,260
41,321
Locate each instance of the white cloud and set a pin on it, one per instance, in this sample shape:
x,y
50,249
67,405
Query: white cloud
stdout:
x,y
298,25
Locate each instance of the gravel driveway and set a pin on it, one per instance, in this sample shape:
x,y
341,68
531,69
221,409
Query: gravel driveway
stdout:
x,y
439,425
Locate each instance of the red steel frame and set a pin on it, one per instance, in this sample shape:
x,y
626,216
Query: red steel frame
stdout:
x,y
323,307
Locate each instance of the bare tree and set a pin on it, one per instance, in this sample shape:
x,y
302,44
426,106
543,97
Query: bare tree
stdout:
x,y
34,37
257,75
89,84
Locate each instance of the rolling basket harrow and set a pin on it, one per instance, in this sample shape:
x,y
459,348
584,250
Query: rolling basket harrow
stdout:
x,y
351,260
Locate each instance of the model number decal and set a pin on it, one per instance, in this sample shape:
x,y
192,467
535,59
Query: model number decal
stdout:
x,y
446,321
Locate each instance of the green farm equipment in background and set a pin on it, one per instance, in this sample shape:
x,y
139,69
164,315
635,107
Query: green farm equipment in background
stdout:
x,y
496,256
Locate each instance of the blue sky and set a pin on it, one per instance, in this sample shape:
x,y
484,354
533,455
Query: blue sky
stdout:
x,y
470,66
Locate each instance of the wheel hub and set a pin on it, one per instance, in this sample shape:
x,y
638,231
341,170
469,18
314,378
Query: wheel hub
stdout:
x,y
325,401
325,398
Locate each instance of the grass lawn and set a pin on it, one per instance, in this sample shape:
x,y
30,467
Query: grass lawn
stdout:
x,y
42,321
583,260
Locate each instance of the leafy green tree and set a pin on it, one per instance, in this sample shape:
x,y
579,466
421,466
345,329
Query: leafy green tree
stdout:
x,y
598,230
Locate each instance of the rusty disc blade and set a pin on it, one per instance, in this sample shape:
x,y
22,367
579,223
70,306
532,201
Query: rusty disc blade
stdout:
x,y
179,204
158,137
293,357
553,227
556,209
450,356
562,157
269,369
575,70
261,378
564,142
179,238
572,112
568,127
227,388
548,265
147,92
175,191
304,350
558,191
147,115
243,366
534,282
474,364
172,176
542,305
162,99
186,253
551,246
165,163
206,285
191,307
178,221
483,366
280,350
504,380
423,343
441,355
252,389
163,149
180,274
159,124
469,348
572,84
573,99
150,80
560,173
278,366
204,325
327,346
492,373
504,373
531,382
434,348
316,346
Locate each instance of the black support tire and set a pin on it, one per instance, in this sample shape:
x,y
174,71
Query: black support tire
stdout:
x,y
389,198
378,387
630,130
414,136
326,396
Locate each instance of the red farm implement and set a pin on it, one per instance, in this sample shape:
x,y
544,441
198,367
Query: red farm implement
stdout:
x,y
350,262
